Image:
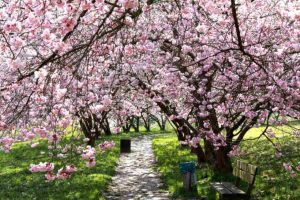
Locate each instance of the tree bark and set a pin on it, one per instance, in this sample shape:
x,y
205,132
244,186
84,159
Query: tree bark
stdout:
x,y
219,159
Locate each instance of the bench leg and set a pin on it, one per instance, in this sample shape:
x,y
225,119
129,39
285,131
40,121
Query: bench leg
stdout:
x,y
213,192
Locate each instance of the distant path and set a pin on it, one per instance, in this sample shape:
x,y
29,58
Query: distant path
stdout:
x,y
135,177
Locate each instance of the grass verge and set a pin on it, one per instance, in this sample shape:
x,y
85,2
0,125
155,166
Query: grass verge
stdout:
x,y
272,183
17,182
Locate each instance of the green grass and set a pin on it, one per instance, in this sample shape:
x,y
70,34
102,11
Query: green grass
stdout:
x,y
272,183
280,131
17,182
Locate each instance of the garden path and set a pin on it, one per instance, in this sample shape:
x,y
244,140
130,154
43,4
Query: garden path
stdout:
x,y
135,177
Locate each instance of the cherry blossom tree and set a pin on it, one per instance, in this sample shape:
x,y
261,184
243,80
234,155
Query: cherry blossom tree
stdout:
x,y
215,69
205,63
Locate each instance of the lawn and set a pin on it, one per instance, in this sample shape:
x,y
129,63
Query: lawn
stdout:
x,y
17,182
272,183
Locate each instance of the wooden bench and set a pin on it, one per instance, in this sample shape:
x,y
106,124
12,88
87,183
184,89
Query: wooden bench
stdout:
x,y
227,190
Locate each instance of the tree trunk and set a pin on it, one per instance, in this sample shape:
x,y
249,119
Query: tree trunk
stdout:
x,y
135,123
163,123
223,162
86,127
106,127
147,126
200,154
219,159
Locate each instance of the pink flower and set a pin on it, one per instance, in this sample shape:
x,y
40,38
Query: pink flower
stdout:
x,y
187,12
91,162
12,26
41,167
53,138
64,123
63,174
30,136
49,176
298,168
71,168
41,132
129,4
106,145
2,125
67,24
128,21
88,153
6,144
117,130
34,145
293,174
195,141
278,154
287,167
98,108
87,6
60,93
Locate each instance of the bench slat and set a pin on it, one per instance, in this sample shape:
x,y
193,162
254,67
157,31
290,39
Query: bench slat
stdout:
x,y
246,167
244,175
221,188
233,188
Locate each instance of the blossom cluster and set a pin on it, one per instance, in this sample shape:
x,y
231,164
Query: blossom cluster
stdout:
x,y
6,144
88,155
63,173
106,145
289,168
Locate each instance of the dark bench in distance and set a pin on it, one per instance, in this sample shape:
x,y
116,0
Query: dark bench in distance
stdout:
x,y
227,190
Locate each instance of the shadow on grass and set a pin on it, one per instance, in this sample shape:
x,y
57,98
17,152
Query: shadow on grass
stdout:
x,y
17,182
272,182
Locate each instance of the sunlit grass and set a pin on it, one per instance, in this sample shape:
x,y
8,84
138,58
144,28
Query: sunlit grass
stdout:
x,y
272,183
18,183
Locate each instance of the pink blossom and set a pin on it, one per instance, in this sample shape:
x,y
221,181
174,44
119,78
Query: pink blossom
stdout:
x,y
64,123
287,167
12,26
187,12
278,154
54,138
129,4
2,125
42,132
34,145
68,23
63,174
106,145
60,93
117,130
15,64
49,176
91,162
71,168
87,5
88,153
128,21
293,174
41,167
6,144
195,142
98,108
30,135
298,168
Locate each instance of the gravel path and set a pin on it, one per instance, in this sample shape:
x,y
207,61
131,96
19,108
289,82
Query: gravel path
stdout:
x,y
135,177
